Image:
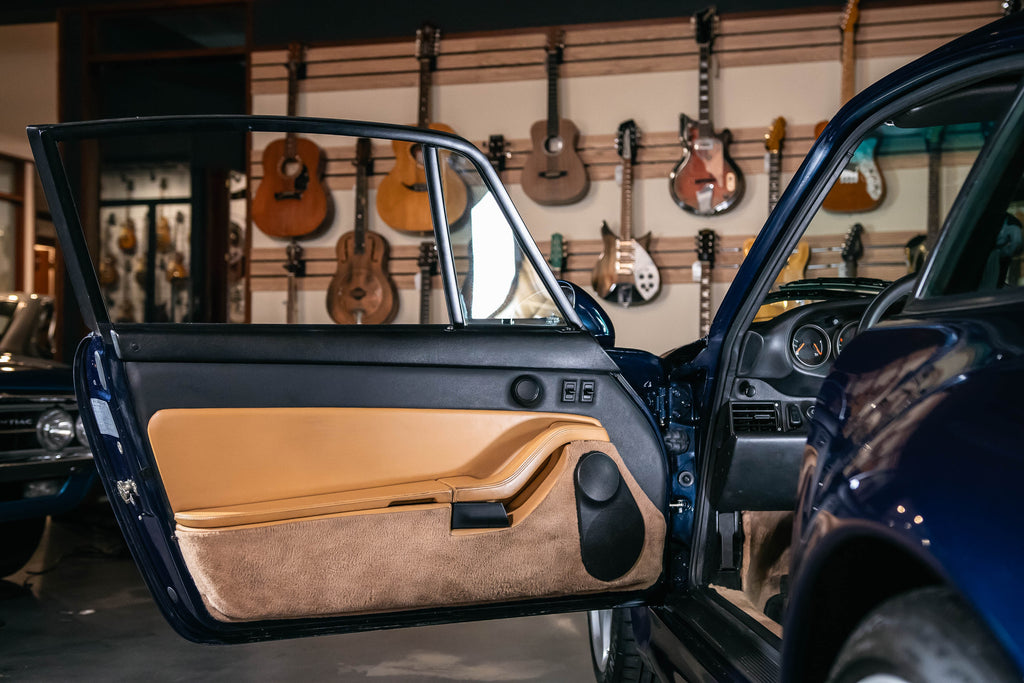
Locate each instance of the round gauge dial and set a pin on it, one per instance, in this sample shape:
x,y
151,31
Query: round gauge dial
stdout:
x,y
810,346
845,335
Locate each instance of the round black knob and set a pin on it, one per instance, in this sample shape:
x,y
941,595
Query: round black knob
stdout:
x,y
527,391
597,477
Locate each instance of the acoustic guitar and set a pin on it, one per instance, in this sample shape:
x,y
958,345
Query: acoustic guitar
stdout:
x,y
361,292
402,198
797,261
554,173
290,201
706,181
860,186
625,274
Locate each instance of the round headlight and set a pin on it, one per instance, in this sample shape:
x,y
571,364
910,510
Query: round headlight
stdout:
x,y
55,429
80,432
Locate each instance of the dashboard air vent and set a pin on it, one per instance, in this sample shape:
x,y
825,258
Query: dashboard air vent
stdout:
x,y
756,416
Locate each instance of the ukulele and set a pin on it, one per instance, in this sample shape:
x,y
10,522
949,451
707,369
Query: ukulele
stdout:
x,y
706,181
108,264
291,201
625,274
797,261
427,263
554,173
706,243
860,186
919,246
853,249
402,198
361,292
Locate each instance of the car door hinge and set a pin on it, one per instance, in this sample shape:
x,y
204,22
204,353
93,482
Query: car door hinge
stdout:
x,y
681,505
127,489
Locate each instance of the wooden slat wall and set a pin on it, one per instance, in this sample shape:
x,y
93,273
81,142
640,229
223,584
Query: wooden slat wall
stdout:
x,y
883,258
667,45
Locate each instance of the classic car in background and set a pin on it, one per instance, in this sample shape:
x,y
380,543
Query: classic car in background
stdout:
x,y
45,463
823,488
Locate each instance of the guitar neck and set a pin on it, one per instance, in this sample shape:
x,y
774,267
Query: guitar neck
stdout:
x,y
423,116
294,58
934,179
425,275
849,78
552,94
361,204
292,305
704,127
626,219
705,297
774,177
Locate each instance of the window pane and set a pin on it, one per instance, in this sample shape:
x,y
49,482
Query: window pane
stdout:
x,y
497,283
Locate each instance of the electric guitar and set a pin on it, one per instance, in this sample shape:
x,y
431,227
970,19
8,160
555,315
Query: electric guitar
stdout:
x,y
290,200
361,292
706,244
402,198
853,250
797,261
554,173
706,181
860,186
625,274
918,247
427,263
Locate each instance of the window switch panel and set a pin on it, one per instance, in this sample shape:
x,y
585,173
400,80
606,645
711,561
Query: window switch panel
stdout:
x,y
587,391
569,390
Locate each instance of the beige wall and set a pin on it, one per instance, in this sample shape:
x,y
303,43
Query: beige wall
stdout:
x,y
28,82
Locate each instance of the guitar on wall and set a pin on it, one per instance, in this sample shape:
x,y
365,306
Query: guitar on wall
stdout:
x,y
558,255
290,201
706,244
853,250
554,173
402,198
860,186
706,181
919,246
427,263
797,261
625,274
361,292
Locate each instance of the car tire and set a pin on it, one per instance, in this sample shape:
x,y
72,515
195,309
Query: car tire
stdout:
x,y
18,542
613,648
923,635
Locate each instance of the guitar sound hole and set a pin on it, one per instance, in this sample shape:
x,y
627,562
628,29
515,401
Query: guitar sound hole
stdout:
x,y
358,293
553,145
291,168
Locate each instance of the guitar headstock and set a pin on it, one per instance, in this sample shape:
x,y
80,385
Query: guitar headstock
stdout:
x,y
428,43
297,60
555,44
557,256
497,152
627,140
706,242
850,16
773,138
853,248
427,260
704,24
363,147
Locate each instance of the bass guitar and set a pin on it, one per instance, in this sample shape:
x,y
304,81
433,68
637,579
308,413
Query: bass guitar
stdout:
x,y
706,181
706,244
554,173
291,201
361,292
860,186
402,198
625,274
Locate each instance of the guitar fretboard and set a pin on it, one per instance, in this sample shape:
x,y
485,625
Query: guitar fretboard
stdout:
x,y
552,93
774,177
704,98
626,218
423,116
705,297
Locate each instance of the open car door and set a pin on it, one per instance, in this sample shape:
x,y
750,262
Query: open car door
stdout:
x,y
276,480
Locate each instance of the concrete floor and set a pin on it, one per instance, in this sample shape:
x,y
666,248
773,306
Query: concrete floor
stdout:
x,y
80,611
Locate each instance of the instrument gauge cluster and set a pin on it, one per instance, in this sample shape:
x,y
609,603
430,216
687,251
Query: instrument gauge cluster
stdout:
x,y
810,346
845,335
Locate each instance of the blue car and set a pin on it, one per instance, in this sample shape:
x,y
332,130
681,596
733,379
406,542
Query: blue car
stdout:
x,y
46,467
823,488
